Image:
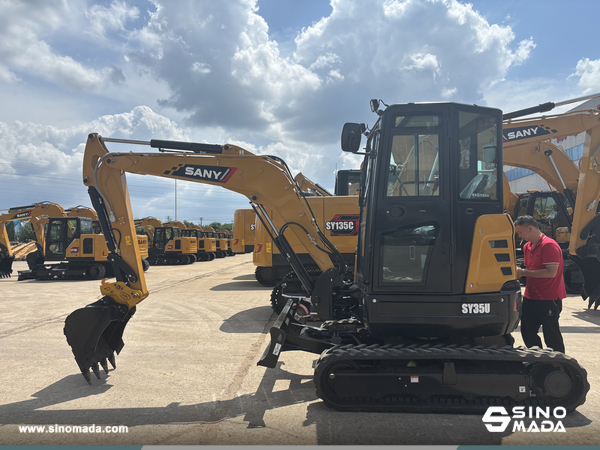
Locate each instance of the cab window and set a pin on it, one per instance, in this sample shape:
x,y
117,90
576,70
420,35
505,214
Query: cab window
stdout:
x,y
478,168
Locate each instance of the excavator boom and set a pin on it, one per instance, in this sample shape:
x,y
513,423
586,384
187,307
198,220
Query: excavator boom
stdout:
x,y
95,332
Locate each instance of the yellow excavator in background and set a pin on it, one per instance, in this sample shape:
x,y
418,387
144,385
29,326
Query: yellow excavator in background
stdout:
x,y
166,244
526,143
220,242
226,238
337,215
244,227
86,211
33,213
206,247
425,323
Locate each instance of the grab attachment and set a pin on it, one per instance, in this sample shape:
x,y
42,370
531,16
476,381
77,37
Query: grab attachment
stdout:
x,y
95,333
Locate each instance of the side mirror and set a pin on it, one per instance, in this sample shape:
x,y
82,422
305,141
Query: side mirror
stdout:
x,y
374,105
351,136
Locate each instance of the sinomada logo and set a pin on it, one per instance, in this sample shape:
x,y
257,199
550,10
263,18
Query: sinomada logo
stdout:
x,y
545,420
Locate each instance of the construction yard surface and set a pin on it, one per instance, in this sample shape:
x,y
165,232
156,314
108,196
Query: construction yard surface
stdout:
x,y
188,373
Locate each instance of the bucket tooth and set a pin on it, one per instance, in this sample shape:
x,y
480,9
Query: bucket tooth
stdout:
x,y
86,375
96,370
111,359
104,364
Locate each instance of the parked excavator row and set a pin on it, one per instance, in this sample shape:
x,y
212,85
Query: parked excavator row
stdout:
x,y
207,246
425,322
67,247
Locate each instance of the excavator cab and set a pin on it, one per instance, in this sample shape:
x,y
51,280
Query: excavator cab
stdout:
x,y
62,231
432,224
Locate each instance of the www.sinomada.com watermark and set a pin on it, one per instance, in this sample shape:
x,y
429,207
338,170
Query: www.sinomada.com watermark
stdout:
x,y
72,429
542,420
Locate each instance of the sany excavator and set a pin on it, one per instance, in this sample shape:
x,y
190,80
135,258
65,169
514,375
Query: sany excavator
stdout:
x,y
552,209
86,211
244,227
226,237
33,213
167,245
220,241
206,246
425,323
337,215
526,141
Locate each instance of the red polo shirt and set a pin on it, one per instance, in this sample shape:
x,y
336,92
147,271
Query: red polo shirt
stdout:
x,y
547,251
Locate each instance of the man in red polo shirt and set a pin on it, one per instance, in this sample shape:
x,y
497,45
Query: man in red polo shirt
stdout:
x,y
542,302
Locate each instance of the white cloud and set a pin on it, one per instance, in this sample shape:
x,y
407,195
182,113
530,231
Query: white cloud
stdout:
x,y
212,67
25,51
47,161
588,72
103,19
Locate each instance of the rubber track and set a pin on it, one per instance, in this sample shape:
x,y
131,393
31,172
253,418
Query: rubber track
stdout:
x,y
448,404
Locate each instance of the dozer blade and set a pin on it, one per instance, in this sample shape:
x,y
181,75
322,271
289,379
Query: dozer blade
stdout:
x,y
278,334
95,333
5,266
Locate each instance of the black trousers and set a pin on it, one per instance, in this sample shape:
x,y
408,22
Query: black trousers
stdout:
x,y
545,313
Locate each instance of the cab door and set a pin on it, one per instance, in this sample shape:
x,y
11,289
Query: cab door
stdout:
x,y
412,246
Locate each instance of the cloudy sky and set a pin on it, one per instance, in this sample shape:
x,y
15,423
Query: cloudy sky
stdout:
x,y
274,76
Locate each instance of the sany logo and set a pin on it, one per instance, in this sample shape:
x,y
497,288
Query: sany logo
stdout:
x,y
515,134
22,214
207,173
497,419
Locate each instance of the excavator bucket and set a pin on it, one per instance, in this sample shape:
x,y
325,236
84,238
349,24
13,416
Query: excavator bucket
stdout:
x,y
5,266
95,333
590,268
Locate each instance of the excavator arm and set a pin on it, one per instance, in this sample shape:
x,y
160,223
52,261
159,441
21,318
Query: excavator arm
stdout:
x,y
33,213
525,145
95,332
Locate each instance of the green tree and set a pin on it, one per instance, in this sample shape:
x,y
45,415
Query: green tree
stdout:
x,y
187,223
221,226
26,233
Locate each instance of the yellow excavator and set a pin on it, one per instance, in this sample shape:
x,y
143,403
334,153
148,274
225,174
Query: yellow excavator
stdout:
x,y
206,246
86,211
226,238
219,240
243,231
425,323
34,213
166,244
337,215
526,143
